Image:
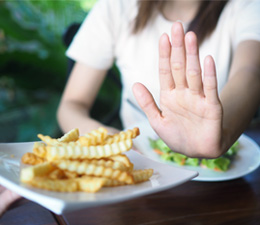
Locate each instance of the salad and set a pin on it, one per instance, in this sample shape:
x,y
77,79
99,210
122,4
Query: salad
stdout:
x,y
219,164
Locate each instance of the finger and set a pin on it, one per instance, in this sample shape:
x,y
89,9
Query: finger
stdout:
x,y
2,188
210,81
146,101
166,79
7,198
178,59
193,70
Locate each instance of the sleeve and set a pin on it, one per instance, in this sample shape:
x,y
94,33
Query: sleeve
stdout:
x,y
93,44
247,26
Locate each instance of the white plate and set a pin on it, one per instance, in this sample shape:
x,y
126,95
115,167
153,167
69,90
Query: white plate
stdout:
x,y
164,177
245,162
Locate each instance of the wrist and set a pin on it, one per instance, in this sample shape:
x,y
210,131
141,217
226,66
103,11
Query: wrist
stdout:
x,y
225,141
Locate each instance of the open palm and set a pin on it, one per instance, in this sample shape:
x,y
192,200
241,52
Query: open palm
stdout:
x,y
189,119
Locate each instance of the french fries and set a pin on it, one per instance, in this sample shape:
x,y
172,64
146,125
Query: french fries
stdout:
x,y
82,163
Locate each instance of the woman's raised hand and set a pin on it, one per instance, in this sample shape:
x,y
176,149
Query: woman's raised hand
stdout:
x,y
189,119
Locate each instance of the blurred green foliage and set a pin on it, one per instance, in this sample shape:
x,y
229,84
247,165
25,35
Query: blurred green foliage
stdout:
x,y
33,65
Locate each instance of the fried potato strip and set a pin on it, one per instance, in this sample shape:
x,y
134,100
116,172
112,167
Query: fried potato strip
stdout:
x,y
32,159
31,172
48,140
95,170
39,149
68,185
123,159
84,152
142,175
87,184
138,176
90,184
72,135
123,135
95,137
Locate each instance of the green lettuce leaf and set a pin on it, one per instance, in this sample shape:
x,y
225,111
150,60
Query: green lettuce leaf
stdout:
x,y
221,163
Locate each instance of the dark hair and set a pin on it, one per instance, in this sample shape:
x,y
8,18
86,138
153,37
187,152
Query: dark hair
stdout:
x,y
206,17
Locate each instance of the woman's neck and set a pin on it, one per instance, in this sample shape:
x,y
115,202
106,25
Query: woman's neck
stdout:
x,y
184,10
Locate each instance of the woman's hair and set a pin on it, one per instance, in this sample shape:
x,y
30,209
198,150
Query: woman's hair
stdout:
x,y
203,24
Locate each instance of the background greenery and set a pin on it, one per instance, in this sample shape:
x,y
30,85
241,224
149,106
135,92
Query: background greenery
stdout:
x,y
33,66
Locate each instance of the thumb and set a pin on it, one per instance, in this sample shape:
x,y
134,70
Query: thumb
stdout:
x,y
146,101
7,197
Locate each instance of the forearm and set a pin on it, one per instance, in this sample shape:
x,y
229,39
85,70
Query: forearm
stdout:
x,y
240,101
78,97
76,115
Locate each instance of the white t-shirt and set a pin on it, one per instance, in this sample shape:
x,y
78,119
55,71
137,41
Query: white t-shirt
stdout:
x,y
105,37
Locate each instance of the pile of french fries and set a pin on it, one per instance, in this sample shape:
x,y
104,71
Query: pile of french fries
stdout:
x,y
82,163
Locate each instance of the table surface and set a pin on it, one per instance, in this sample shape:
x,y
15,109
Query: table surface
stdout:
x,y
228,202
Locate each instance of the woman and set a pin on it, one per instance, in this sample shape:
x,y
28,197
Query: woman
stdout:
x,y
192,118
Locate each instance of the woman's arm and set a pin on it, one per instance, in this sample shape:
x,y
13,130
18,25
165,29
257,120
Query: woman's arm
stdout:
x,y
78,97
241,95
